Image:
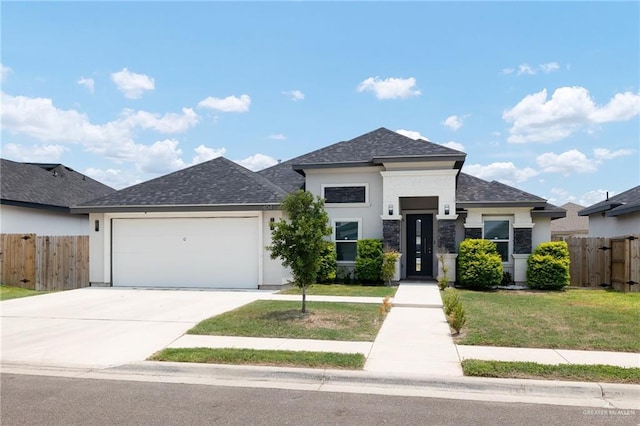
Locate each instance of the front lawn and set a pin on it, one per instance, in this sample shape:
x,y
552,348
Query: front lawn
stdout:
x,y
262,357
532,370
7,292
572,319
274,318
344,290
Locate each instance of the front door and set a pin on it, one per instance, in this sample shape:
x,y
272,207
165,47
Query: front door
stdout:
x,y
420,245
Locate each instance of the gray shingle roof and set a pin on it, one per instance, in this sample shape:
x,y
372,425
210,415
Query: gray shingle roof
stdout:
x,y
217,182
472,190
572,223
47,185
368,149
623,203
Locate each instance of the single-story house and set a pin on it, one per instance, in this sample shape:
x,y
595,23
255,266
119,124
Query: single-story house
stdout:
x,y
37,198
208,225
572,225
616,216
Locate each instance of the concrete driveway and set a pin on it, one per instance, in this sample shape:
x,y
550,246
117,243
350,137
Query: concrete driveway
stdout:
x,y
103,327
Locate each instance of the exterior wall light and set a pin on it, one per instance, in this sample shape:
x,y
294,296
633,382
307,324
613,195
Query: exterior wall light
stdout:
x,y
97,225
390,209
446,209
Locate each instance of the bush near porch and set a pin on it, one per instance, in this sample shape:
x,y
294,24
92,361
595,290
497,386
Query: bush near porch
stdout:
x,y
479,264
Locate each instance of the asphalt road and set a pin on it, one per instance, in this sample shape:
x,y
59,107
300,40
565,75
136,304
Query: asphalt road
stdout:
x,y
36,400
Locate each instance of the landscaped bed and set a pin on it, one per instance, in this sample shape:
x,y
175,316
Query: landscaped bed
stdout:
x,y
271,318
572,319
344,290
262,357
7,292
532,370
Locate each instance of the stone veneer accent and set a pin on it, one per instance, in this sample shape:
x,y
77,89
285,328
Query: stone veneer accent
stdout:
x,y
447,235
391,234
475,233
522,240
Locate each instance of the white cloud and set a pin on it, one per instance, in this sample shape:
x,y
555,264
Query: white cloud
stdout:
x,y
454,145
507,71
453,122
572,161
539,119
114,178
411,134
295,95
131,83
390,88
228,104
33,153
549,67
278,137
595,196
160,157
167,123
4,72
605,154
204,153
525,69
87,82
257,162
505,172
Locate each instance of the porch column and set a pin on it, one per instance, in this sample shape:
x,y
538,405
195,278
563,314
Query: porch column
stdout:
x,y
391,233
446,251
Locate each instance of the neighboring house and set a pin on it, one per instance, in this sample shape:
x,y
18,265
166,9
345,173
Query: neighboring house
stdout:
x,y
616,216
570,226
208,225
37,198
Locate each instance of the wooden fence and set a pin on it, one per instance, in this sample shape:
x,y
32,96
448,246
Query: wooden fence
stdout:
x,y
605,262
44,262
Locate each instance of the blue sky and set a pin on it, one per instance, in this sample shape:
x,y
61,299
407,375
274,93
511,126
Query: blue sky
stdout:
x,y
542,96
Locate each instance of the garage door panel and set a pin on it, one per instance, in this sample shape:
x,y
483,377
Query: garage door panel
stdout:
x,y
186,252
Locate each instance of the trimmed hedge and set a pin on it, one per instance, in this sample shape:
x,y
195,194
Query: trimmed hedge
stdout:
x,y
479,264
328,265
548,266
369,261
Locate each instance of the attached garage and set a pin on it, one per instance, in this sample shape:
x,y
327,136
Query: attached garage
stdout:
x,y
203,252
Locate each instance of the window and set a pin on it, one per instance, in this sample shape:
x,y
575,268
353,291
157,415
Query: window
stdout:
x,y
498,231
346,237
343,194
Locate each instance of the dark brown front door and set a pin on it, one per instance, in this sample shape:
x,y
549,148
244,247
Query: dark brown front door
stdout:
x,y
420,245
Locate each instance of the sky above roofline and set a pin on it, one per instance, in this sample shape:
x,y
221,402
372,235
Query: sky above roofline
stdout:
x,y
541,96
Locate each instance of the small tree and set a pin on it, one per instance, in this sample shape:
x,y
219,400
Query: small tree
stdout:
x,y
299,241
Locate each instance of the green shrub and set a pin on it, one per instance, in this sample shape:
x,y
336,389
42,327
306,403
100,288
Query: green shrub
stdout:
x,y
479,264
548,266
369,261
457,318
450,298
389,260
327,271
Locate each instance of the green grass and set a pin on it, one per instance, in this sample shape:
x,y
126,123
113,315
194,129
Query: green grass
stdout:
x,y
262,357
344,290
272,318
7,292
532,370
573,319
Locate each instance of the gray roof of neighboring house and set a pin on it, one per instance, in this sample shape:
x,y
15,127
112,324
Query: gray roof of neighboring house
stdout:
x,y
572,223
46,186
623,203
215,183
369,149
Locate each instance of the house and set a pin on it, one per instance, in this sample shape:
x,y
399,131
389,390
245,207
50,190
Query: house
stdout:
x,y
208,225
37,198
572,225
616,216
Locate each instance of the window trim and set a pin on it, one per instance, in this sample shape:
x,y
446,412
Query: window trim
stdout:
x,y
366,202
333,236
509,242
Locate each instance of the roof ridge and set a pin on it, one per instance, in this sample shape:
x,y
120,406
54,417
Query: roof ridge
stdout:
x,y
256,176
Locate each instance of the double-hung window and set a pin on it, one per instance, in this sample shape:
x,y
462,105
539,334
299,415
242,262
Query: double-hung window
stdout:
x,y
498,230
346,233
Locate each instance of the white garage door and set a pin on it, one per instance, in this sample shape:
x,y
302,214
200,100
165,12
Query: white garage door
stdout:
x,y
185,252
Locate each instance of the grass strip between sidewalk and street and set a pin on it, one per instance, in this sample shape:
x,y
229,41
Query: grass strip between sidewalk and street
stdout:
x,y
344,290
262,357
8,292
573,319
533,370
275,318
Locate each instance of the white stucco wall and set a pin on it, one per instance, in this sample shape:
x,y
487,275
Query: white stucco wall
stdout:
x,y
616,226
541,232
20,220
419,183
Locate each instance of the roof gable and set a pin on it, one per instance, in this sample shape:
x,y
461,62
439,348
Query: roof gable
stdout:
x,y
623,203
47,185
212,183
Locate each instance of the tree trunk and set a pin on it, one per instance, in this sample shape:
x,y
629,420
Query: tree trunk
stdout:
x,y
304,299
